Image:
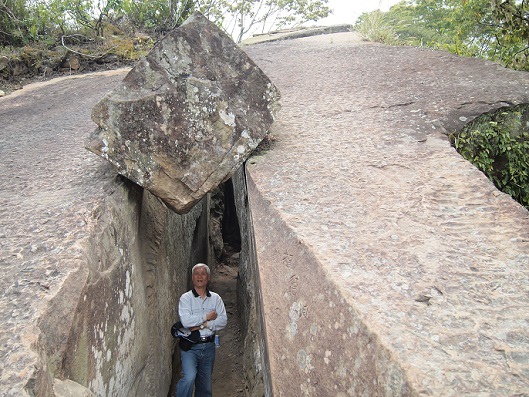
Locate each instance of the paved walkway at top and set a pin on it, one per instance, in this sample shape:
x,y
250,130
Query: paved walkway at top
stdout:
x,y
362,195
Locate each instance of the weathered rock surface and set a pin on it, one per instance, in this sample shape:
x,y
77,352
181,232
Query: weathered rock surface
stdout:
x,y
187,116
255,360
92,264
4,61
69,388
389,266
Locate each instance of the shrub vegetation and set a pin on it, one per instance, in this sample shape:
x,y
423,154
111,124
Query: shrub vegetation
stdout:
x,y
100,32
498,145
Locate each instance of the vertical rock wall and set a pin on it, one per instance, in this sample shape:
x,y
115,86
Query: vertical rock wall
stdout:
x,y
92,266
255,360
117,341
308,351
389,265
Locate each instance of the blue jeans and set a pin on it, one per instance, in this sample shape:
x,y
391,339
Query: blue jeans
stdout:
x,y
197,370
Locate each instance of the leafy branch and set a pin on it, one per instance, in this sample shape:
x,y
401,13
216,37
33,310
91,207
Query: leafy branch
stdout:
x,y
498,145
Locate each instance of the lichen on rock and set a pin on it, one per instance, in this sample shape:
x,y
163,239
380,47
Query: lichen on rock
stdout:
x,y
186,116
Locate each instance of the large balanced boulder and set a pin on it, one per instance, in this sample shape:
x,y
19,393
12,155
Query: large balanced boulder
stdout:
x,y
186,116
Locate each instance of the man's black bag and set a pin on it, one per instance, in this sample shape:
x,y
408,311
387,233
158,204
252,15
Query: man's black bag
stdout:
x,y
184,341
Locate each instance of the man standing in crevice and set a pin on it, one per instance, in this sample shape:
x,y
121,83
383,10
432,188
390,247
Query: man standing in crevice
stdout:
x,y
202,312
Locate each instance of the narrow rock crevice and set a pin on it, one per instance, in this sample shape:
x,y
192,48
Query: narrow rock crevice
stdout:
x,y
225,242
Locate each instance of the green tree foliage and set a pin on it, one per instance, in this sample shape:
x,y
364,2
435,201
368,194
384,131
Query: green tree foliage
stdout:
x,y
37,20
13,22
156,15
89,14
242,17
498,145
512,21
25,21
459,26
494,29
374,27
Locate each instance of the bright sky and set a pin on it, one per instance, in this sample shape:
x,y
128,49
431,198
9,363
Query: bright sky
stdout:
x,y
346,11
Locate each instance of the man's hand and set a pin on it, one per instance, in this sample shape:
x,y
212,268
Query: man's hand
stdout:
x,y
212,315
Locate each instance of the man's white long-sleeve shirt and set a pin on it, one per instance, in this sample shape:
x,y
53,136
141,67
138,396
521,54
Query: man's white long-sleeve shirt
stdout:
x,y
192,310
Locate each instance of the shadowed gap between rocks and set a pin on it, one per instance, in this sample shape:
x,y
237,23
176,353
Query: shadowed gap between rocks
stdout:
x,y
181,123
225,239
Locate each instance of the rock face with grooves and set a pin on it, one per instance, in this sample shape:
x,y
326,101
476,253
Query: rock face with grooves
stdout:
x,y
186,116
388,265
91,264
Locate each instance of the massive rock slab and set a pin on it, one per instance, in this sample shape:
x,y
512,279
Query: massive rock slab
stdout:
x,y
388,265
187,116
91,265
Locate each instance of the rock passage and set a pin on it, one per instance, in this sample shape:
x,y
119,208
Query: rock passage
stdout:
x,y
388,265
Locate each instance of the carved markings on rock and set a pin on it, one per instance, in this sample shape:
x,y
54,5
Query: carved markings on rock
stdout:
x,y
187,116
